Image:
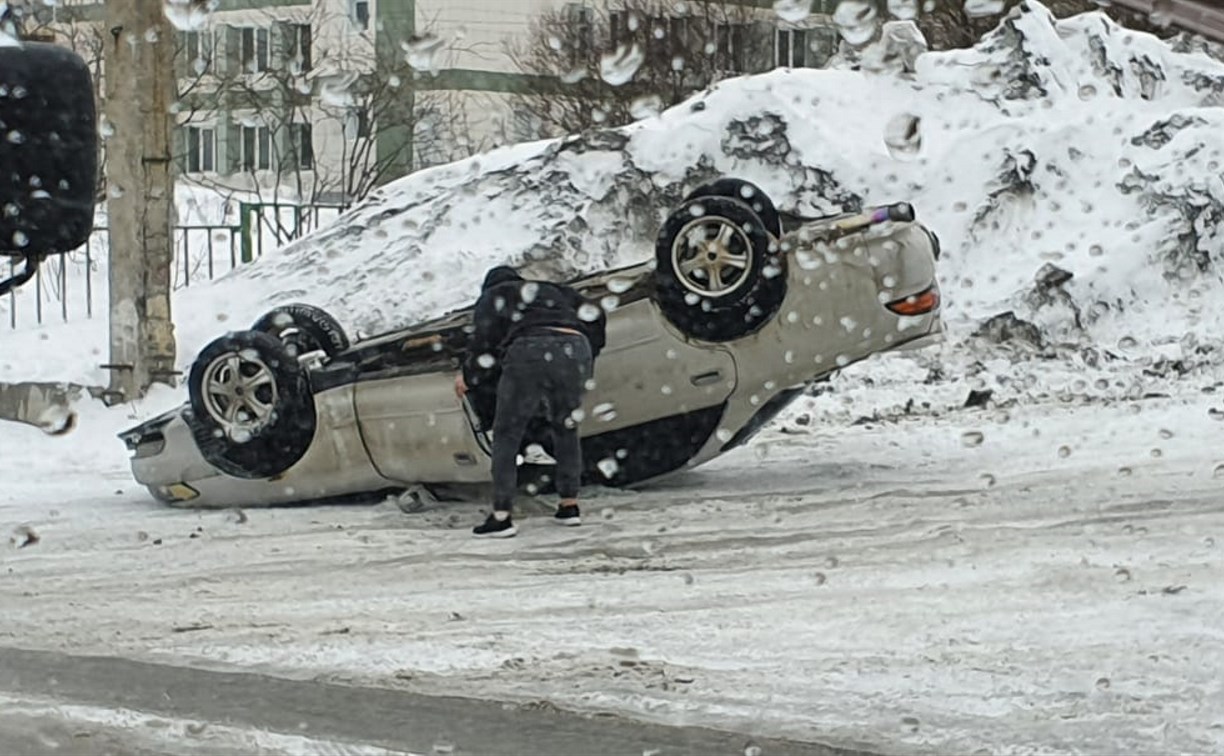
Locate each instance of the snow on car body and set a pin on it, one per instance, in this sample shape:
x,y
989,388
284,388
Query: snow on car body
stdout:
x,y
705,344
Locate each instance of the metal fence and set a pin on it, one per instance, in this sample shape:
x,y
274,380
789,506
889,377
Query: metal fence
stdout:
x,y
74,285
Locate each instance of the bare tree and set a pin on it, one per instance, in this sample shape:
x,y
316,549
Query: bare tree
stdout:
x,y
605,66
304,116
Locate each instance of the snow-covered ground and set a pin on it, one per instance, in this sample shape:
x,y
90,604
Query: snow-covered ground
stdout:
x,y
882,566
1051,585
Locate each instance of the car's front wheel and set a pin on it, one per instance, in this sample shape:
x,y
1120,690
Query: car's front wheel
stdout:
x,y
719,274
253,413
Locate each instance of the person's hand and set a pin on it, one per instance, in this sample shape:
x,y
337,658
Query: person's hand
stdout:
x,y
460,386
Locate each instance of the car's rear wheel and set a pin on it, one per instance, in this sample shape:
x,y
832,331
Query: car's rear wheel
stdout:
x,y
304,328
252,410
719,274
748,193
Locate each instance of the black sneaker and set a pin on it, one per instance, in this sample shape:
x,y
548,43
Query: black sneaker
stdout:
x,y
495,528
567,515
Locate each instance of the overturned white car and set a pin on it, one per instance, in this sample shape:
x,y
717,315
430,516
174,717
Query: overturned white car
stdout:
x,y
706,343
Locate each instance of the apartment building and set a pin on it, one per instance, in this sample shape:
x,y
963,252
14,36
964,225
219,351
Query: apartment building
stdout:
x,y
325,98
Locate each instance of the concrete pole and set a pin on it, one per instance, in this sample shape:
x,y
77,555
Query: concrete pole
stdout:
x,y
139,75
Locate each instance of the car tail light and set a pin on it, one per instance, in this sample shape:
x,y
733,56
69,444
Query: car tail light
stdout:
x,y
917,304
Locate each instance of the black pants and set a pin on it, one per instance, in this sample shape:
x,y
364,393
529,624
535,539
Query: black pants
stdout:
x,y
543,373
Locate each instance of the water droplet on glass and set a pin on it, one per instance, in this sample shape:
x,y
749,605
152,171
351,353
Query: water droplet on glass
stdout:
x,y
981,8
793,11
334,90
972,438
20,240
609,303
1064,451
443,747
905,10
697,209
15,137
988,480
856,20
1087,92
1166,434
588,313
1157,453
1103,683
573,76
529,291
725,435
607,466
646,107
903,136
189,15
619,67
486,360
421,52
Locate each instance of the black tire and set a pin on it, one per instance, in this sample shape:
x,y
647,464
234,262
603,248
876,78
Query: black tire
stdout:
x,y
304,328
748,300
274,385
748,193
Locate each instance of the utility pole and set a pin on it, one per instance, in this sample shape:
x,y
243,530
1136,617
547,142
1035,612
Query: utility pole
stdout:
x,y
139,75
393,148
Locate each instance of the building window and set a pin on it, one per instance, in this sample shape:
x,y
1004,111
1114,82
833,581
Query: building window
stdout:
x,y
256,148
254,50
731,48
581,20
201,149
300,47
303,144
361,14
618,29
199,47
790,48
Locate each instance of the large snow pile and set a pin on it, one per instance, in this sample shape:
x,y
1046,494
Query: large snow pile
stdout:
x,y
1074,143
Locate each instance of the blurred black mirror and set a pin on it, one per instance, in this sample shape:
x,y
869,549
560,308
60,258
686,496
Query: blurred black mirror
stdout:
x,y
48,153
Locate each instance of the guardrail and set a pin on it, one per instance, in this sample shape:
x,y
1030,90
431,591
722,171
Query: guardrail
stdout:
x,y
74,285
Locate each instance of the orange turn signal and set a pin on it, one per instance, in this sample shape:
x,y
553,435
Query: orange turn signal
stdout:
x,y
916,304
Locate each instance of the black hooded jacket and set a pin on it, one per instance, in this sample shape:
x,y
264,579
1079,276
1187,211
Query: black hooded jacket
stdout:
x,y
510,306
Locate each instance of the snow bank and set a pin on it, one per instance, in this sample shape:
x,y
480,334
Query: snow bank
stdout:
x,y
1076,142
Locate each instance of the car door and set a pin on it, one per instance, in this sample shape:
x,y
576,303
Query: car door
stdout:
x,y
416,429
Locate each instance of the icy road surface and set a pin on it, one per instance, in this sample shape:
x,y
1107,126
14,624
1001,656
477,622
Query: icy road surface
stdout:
x,y
1034,579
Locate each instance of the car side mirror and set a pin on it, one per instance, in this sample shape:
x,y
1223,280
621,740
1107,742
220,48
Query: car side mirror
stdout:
x,y
48,153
